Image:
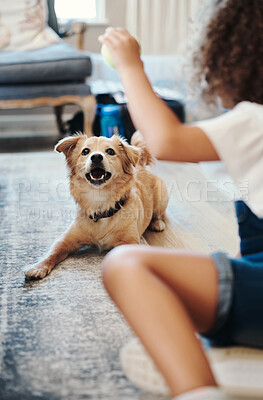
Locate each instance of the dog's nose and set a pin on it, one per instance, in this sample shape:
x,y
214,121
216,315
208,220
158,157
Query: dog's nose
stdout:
x,y
96,158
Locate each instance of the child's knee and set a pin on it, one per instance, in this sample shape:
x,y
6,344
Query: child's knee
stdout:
x,y
115,262
116,265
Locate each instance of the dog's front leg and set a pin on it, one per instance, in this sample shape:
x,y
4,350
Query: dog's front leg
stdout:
x,y
127,239
69,242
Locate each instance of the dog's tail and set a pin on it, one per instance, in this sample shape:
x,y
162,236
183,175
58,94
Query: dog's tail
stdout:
x,y
146,158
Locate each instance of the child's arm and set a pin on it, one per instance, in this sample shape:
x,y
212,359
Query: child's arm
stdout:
x,y
165,135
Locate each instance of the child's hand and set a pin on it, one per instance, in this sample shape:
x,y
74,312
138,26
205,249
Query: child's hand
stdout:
x,y
123,47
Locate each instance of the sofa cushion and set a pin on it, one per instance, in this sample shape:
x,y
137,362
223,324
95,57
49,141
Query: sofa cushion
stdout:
x,y
31,91
58,62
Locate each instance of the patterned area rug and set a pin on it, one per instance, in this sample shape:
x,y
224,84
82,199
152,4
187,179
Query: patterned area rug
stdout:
x,y
60,337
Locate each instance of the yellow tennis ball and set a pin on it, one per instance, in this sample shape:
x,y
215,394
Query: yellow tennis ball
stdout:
x,y
107,56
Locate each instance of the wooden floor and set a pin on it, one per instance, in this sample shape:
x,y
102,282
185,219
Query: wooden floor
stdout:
x,y
200,211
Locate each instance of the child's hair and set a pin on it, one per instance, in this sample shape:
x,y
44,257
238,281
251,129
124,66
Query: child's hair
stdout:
x,y
230,54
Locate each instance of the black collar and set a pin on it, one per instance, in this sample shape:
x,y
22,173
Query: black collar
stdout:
x,y
108,213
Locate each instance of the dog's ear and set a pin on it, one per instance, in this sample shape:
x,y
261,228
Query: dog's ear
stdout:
x,y
129,156
67,145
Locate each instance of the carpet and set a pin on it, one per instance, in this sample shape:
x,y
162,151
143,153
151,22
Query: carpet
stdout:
x,y
59,337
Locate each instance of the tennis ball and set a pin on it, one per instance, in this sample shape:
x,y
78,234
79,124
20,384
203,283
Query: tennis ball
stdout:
x,y
107,56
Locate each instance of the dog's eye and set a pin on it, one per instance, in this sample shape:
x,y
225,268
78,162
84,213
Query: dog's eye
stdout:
x,y
111,152
85,152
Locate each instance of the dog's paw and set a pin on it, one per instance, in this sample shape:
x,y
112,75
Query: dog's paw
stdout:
x,y
157,225
37,271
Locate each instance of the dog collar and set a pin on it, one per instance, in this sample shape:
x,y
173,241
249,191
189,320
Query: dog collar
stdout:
x,y
108,213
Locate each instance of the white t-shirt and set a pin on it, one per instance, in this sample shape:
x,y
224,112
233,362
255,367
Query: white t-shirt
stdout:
x,y
238,139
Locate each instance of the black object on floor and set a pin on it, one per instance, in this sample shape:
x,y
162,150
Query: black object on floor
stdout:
x,y
76,123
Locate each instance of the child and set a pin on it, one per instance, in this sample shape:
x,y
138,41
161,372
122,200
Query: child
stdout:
x,y
169,295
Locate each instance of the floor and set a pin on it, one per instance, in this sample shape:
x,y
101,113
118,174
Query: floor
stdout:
x,y
20,144
60,337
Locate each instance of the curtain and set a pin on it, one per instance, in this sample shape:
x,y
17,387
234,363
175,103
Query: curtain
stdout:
x,y
161,25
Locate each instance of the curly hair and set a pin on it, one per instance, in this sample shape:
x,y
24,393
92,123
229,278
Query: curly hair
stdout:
x,y
229,57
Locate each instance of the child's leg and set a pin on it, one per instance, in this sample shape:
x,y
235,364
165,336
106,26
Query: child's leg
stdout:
x,y
166,295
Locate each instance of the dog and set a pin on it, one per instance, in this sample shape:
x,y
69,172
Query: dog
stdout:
x,y
117,197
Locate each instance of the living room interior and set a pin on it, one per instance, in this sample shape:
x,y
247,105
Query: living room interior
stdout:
x,y
60,337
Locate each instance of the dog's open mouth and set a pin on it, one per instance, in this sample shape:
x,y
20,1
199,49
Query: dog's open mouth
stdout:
x,y
97,176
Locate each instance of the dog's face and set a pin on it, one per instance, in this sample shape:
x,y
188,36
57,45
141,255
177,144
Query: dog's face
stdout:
x,y
98,160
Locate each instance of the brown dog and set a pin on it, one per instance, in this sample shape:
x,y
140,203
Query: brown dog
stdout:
x,y
117,197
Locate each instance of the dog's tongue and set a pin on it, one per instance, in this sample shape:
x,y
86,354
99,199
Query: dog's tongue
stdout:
x,y
97,173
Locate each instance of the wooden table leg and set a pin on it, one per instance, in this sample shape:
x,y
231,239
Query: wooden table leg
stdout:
x,y
88,105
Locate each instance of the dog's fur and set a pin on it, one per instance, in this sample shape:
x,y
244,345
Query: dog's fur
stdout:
x,y
116,196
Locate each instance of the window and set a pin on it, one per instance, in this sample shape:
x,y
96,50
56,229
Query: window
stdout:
x,y
91,10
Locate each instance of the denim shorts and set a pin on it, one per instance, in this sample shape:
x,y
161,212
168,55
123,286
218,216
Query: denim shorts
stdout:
x,y
240,301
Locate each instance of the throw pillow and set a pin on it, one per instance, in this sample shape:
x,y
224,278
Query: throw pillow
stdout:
x,y
23,25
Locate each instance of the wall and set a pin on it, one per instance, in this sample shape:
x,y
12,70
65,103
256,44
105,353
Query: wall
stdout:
x,y
115,15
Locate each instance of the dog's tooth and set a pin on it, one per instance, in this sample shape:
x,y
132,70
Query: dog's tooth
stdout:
x,y
94,178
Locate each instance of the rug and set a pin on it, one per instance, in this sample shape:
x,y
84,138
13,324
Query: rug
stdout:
x,y
59,337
